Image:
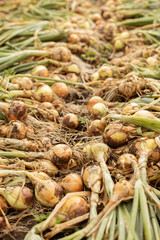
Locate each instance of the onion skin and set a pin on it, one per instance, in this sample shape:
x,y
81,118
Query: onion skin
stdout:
x,y
48,193
72,77
125,161
92,176
41,71
94,128
3,205
115,135
61,54
72,183
98,110
16,111
93,101
74,207
47,110
71,121
60,89
24,83
44,93
144,114
61,154
19,198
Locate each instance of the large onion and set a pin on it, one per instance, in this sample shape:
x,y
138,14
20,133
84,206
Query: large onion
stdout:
x,y
60,89
61,54
43,93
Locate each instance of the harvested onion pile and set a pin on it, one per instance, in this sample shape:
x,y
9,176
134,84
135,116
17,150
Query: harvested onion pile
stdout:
x,y
80,119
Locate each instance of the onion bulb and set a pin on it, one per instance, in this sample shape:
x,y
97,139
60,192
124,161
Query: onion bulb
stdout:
x,y
40,70
3,205
61,54
61,154
94,129
60,89
47,110
105,72
125,161
70,120
72,68
119,44
58,104
152,61
17,110
115,135
129,107
95,76
43,93
72,77
72,183
74,207
19,198
93,101
92,175
23,83
144,114
48,192
98,110
73,38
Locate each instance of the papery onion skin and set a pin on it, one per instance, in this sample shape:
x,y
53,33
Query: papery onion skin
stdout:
x,y
72,183
91,176
19,198
61,54
98,110
75,206
93,101
24,83
61,154
48,193
94,129
144,114
41,71
125,161
70,120
60,89
43,93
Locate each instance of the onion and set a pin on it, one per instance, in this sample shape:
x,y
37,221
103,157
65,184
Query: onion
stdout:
x,y
71,120
128,87
125,161
58,104
129,107
40,70
72,68
115,135
95,76
98,110
72,77
48,192
93,101
72,183
75,206
124,35
14,129
42,165
3,205
47,110
60,89
44,93
92,175
19,198
61,154
17,110
105,71
61,54
152,61
73,38
144,114
23,82
119,44
94,129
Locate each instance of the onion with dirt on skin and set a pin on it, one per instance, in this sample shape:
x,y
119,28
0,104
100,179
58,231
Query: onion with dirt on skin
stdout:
x,y
40,70
72,183
93,101
98,110
3,205
61,54
72,77
23,83
19,198
94,128
70,120
61,154
17,110
105,72
43,93
60,89
47,110
125,161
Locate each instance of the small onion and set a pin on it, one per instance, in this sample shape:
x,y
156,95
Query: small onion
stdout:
x,y
129,107
124,35
74,207
115,136
94,129
105,71
58,104
3,205
72,68
43,93
49,111
61,154
93,101
19,198
98,110
144,114
60,89
40,70
125,161
152,61
61,54
71,120
119,45
95,76
73,38
72,183
48,192
23,82
91,175
72,77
